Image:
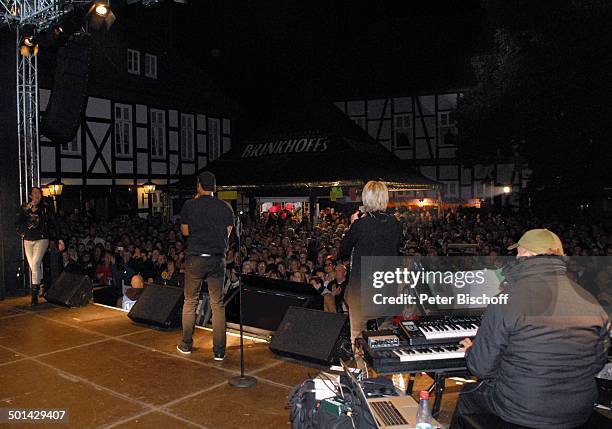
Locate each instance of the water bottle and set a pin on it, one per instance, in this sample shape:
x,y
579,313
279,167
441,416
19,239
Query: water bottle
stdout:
x,y
423,417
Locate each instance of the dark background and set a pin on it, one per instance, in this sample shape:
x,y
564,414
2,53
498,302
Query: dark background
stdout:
x,y
330,49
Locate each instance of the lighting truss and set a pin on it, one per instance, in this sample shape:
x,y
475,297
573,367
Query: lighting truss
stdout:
x,y
27,122
41,14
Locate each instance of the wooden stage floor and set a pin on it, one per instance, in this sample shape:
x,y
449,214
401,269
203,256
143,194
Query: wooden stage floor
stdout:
x,y
111,373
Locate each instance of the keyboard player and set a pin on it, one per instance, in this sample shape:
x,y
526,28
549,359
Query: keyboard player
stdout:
x,y
536,355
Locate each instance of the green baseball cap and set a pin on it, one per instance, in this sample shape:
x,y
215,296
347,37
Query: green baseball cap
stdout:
x,y
540,241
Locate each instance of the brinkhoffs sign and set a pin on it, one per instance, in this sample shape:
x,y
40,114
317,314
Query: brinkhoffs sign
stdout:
x,y
280,147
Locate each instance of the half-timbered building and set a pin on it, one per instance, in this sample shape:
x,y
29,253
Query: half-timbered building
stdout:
x,y
423,128
150,115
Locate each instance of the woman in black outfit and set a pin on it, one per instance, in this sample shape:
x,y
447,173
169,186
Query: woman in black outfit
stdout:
x,y
34,222
372,233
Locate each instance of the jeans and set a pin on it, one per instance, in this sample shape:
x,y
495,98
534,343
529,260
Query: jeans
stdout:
x,y
35,250
211,270
473,399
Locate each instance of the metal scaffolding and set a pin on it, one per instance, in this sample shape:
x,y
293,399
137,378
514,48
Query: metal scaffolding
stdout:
x,y
27,123
17,14
42,14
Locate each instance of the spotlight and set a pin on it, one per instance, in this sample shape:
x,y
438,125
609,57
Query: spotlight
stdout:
x,y
28,45
506,189
100,15
49,37
101,9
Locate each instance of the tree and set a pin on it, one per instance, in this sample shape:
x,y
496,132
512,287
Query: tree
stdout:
x,y
544,89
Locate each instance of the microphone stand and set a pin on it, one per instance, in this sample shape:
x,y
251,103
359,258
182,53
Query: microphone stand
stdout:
x,y
242,380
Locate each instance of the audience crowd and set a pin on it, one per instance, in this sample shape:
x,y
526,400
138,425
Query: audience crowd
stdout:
x,y
286,247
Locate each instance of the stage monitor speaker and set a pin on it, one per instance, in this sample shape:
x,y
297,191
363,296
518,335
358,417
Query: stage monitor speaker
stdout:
x,y
265,309
159,306
69,95
71,290
312,335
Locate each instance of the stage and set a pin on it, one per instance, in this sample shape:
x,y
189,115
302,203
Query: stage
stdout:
x,y
111,373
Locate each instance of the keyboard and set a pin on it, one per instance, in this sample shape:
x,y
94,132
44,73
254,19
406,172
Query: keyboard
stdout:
x,y
408,358
387,413
435,330
414,354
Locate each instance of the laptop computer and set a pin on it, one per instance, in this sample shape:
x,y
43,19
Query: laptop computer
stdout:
x,y
393,412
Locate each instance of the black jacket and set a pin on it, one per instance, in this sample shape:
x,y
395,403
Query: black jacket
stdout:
x,y
37,225
375,234
541,350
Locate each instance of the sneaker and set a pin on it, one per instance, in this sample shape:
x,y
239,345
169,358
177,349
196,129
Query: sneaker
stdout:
x,y
219,356
183,350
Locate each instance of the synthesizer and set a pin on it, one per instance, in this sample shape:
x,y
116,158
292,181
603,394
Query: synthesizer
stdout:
x,y
407,358
439,330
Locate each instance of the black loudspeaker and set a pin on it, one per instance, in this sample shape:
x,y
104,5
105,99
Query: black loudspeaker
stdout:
x,y
159,306
70,289
264,309
61,118
265,302
312,335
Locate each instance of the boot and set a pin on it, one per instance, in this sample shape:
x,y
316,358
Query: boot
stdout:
x,y
35,289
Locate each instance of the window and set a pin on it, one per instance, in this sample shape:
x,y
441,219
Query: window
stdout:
x,y
72,147
133,61
214,139
123,130
402,130
158,133
226,142
151,66
187,137
447,123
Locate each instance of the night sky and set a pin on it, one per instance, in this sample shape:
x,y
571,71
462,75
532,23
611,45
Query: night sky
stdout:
x,y
275,49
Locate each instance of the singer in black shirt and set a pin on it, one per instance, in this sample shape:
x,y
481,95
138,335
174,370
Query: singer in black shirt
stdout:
x,y
208,223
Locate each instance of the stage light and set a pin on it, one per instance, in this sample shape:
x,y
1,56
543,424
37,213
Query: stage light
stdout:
x,y
101,9
28,45
100,15
506,189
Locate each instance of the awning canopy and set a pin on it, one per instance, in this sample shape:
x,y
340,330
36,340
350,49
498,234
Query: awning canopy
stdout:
x,y
330,161
315,146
